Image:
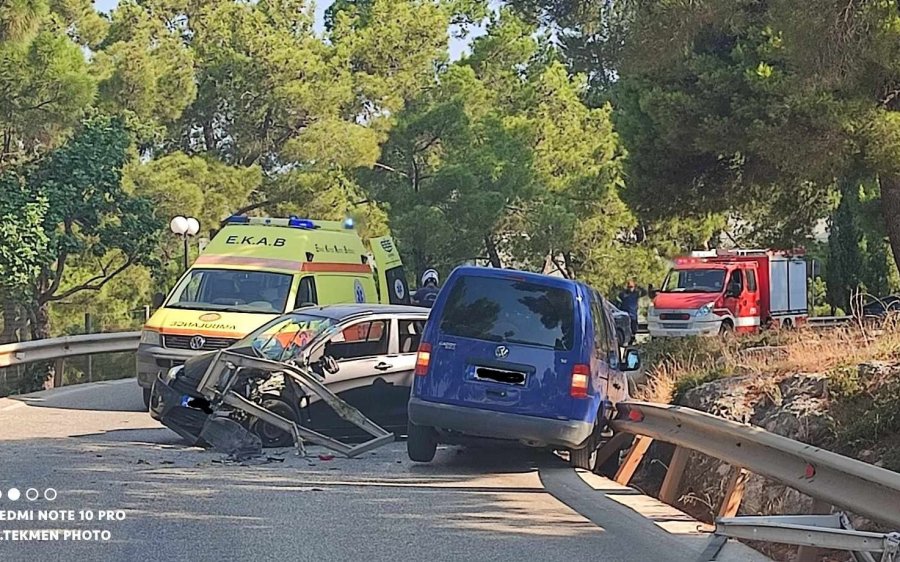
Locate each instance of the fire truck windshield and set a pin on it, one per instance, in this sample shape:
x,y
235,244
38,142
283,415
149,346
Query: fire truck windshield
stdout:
x,y
694,281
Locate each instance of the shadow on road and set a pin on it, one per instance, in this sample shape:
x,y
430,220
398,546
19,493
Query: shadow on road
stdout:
x,y
108,396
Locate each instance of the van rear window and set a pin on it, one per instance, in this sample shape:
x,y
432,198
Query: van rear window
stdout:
x,y
506,310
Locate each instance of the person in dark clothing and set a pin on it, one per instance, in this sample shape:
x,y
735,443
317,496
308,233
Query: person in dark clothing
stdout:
x,y
428,292
629,300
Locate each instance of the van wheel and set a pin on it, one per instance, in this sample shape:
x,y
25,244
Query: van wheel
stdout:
x,y
421,443
583,457
270,435
586,456
147,393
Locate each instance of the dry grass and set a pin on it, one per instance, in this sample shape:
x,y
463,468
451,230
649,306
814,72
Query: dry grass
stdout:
x,y
675,366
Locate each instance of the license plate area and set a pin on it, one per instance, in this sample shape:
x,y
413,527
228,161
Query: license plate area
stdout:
x,y
504,376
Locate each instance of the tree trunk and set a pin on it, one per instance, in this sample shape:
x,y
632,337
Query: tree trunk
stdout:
x,y
13,323
40,322
890,209
493,255
45,374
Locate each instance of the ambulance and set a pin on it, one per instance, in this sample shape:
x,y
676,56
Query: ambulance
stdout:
x,y
255,269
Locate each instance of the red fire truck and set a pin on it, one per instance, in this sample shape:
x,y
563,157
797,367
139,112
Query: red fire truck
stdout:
x,y
709,293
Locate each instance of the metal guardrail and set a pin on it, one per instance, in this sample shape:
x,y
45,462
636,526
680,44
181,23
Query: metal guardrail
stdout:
x,y
50,349
812,321
859,487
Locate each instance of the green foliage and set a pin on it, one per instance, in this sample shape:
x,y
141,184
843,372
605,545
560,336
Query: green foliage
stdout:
x,y
84,215
44,89
866,411
23,243
146,71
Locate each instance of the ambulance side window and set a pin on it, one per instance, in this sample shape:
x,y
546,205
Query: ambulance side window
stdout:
x,y
306,293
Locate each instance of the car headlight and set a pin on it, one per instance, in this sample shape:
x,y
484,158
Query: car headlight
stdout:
x,y
705,309
651,311
172,373
150,337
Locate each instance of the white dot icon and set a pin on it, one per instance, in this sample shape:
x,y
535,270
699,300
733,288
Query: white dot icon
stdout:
x,y
31,494
13,494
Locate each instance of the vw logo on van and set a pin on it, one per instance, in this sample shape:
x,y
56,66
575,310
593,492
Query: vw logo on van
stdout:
x,y
502,352
197,342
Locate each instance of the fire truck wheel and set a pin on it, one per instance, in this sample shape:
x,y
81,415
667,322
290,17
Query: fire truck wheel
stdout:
x,y
727,328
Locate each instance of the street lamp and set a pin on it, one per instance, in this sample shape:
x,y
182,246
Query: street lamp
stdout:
x,y
185,227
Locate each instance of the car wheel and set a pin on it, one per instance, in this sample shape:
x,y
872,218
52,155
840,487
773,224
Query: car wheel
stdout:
x,y
421,443
147,393
271,435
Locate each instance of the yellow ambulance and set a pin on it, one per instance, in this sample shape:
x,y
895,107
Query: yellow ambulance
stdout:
x,y
257,268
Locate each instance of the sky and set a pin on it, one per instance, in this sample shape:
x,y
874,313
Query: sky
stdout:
x,y
457,47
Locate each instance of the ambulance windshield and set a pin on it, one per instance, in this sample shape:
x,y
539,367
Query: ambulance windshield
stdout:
x,y
694,281
232,290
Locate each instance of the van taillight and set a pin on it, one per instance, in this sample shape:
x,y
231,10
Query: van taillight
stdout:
x,y
581,377
422,359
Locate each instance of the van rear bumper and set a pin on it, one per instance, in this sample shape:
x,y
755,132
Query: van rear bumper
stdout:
x,y
475,422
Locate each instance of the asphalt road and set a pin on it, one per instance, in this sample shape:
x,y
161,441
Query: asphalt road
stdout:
x,y
94,446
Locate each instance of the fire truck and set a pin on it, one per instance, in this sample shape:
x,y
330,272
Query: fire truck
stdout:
x,y
720,291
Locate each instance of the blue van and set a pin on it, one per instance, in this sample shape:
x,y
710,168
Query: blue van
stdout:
x,y
516,356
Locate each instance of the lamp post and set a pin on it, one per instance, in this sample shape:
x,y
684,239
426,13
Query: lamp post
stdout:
x,y
185,227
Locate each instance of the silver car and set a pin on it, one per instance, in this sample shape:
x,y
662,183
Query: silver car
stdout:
x,y
373,347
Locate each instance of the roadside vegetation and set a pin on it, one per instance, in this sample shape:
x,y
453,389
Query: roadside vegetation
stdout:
x,y
861,369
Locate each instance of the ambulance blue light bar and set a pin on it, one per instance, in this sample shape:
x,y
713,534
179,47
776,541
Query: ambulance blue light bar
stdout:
x,y
293,222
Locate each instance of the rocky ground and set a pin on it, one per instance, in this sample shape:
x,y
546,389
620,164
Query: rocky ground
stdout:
x,y
847,407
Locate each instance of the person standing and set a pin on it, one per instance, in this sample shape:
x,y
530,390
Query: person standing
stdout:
x,y
629,301
429,289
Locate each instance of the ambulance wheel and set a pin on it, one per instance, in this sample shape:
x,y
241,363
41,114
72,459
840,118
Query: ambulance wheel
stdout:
x,y
270,435
146,392
421,443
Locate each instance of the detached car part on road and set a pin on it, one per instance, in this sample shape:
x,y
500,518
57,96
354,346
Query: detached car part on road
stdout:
x,y
318,374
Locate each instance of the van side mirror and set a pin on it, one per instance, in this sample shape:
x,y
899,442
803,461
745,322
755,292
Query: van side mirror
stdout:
x,y
651,292
158,300
632,360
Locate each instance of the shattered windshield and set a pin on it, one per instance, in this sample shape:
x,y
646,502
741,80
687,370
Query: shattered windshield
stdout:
x,y
694,281
286,336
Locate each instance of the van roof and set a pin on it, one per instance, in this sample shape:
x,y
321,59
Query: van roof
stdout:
x,y
500,273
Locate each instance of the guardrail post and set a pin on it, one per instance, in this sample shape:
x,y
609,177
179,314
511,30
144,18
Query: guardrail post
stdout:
x,y
633,459
811,553
668,493
610,448
59,368
734,493
88,328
